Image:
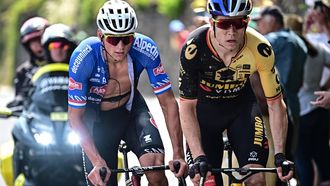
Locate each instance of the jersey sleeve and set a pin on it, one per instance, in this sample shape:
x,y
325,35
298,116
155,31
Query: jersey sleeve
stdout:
x,y
265,62
146,52
188,77
80,68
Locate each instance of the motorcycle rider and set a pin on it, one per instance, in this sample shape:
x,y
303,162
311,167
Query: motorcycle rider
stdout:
x,y
30,37
58,43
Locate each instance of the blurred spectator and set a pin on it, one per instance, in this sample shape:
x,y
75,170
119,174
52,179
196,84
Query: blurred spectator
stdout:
x,y
290,55
58,43
178,34
318,19
313,130
316,28
30,37
201,17
322,100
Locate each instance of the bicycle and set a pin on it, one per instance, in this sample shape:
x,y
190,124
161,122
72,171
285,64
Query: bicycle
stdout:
x,y
237,175
137,172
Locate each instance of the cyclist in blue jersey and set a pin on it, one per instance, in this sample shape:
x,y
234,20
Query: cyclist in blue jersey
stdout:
x,y
105,105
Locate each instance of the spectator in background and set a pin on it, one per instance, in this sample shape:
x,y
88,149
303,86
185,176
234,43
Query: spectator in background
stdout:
x,y
313,130
178,34
318,21
322,100
31,32
200,18
317,28
58,43
290,55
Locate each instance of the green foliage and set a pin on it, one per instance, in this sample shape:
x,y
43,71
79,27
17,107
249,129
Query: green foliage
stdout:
x,y
88,11
170,8
141,4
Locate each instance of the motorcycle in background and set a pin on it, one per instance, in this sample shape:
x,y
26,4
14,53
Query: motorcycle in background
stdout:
x,y
45,149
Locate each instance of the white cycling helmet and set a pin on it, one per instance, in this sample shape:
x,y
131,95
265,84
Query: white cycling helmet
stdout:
x,y
229,8
57,31
116,17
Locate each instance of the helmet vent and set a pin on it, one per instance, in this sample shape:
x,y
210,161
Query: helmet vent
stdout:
x,y
113,23
101,25
242,7
217,6
106,23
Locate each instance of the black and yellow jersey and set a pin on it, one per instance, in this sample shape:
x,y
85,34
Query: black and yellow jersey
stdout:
x,y
204,75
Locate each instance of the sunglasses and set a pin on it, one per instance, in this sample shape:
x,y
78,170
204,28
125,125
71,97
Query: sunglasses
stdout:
x,y
115,39
227,23
57,44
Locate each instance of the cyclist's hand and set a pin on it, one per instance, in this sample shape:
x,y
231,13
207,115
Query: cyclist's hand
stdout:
x,y
179,167
285,167
95,177
199,169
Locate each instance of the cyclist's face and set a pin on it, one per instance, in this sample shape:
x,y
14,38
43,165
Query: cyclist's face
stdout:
x,y
58,51
230,31
36,48
117,52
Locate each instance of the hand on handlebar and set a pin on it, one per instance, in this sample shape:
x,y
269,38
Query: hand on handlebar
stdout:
x,y
99,175
179,168
285,168
200,170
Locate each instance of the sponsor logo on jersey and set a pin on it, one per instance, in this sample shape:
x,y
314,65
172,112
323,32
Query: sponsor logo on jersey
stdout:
x,y
258,131
224,74
228,89
97,90
146,48
159,70
191,51
147,138
264,49
95,80
73,85
95,100
253,156
80,58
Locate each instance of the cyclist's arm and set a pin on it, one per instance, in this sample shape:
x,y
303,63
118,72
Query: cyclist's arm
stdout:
x,y
86,141
278,122
190,126
171,113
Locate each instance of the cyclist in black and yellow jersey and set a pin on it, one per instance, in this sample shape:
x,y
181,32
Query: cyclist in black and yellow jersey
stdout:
x,y
215,92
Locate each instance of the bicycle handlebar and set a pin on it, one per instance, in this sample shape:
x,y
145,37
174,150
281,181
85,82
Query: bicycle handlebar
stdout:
x,y
141,169
244,173
182,181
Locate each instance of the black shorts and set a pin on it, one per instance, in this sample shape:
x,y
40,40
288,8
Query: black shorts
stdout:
x,y
245,131
136,127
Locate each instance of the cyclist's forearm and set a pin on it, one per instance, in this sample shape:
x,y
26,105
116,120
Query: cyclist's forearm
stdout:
x,y
86,140
171,114
191,130
279,124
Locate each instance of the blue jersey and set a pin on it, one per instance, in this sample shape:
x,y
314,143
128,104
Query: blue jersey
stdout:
x,y
89,74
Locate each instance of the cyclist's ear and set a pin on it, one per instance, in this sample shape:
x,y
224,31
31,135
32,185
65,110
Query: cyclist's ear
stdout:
x,y
99,34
